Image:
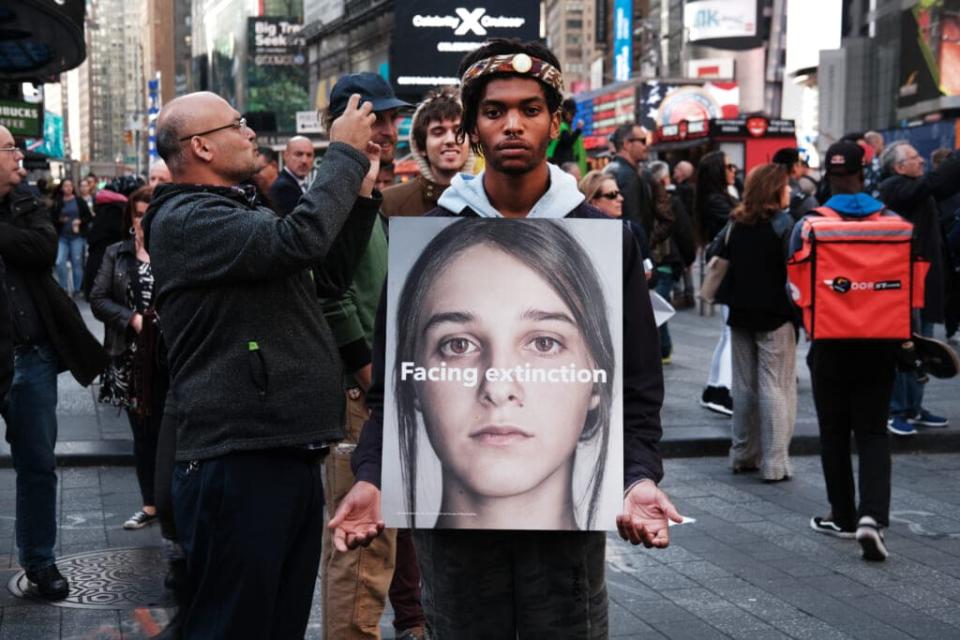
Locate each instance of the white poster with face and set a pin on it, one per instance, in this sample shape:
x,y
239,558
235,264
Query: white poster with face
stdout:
x,y
503,376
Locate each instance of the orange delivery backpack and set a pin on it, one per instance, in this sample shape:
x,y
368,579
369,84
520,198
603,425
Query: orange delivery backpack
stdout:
x,y
856,278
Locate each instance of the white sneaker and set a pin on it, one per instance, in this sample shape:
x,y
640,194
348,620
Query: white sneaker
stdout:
x,y
871,540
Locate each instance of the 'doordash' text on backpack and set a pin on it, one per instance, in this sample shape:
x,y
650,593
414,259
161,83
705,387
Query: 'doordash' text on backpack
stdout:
x,y
856,278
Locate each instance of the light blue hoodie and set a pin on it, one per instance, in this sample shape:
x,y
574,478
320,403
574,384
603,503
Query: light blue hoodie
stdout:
x,y
561,197
849,205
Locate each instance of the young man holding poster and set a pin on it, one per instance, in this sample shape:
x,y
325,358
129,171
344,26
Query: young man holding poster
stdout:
x,y
492,584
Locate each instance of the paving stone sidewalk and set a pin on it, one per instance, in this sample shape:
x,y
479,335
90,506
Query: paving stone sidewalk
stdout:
x,y
749,567
91,433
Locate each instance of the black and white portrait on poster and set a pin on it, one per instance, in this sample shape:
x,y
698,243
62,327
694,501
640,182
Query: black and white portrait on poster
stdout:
x,y
503,399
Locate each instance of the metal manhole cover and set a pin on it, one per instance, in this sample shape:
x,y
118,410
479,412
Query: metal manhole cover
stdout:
x,y
109,579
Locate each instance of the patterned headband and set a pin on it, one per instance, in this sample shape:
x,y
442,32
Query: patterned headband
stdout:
x,y
516,63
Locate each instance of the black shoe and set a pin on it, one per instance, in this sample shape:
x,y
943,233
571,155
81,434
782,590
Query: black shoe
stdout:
x,y
871,540
50,583
718,400
828,526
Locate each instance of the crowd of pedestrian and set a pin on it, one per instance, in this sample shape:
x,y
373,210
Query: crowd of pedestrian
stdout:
x,y
242,296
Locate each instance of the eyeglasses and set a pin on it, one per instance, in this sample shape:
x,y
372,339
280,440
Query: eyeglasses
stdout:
x,y
12,149
236,124
643,140
732,167
612,195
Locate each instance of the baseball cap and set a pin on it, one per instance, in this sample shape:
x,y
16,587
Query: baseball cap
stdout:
x,y
844,158
371,87
788,156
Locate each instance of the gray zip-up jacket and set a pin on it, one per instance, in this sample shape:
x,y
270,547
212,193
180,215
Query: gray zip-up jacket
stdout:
x,y
253,364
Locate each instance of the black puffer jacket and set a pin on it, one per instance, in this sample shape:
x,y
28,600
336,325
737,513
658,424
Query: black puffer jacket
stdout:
x,y
916,200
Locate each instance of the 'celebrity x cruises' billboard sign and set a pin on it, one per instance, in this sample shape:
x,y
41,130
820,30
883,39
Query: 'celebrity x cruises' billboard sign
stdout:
x,y
431,37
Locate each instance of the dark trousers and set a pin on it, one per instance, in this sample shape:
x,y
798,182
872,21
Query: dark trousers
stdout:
x,y
163,472
854,398
250,524
405,585
146,430
513,584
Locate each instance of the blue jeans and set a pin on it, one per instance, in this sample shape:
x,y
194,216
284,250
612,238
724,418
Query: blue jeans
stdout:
x,y
74,250
664,287
30,412
907,400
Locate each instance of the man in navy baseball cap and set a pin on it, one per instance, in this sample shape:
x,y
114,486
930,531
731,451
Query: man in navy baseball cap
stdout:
x,y
355,585
844,158
374,89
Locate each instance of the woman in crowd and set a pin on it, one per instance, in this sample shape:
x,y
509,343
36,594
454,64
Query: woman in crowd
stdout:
x,y
713,203
602,192
122,298
763,335
71,215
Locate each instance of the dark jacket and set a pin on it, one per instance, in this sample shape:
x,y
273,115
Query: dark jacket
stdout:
x,y
253,364
106,229
682,239
6,337
637,197
916,200
714,213
284,193
642,378
28,244
800,203
755,287
82,209
108,298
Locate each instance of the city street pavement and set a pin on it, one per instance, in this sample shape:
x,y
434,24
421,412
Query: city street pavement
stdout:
x,y
749,567
97,434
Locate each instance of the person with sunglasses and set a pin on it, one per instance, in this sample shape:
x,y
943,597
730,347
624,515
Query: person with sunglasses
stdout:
x,y
256,379
601,191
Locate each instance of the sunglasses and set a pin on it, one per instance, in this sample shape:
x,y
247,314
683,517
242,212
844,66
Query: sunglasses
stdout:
x,y
236,124
732,167
612,195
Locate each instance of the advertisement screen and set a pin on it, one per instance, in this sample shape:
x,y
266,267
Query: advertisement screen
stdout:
x,y
622,40
930,52
431,37
721,23
276,69
503,386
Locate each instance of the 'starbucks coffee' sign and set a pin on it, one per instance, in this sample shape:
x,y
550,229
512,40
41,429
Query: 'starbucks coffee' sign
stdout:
x,y
21,118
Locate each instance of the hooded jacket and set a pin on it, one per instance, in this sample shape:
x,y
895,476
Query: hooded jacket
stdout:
x,y
643,373
418,196
253,364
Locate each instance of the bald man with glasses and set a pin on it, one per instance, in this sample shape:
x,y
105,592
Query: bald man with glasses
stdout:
x,y
255,372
